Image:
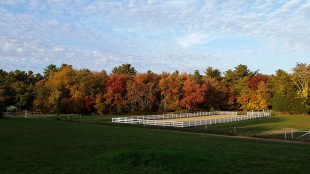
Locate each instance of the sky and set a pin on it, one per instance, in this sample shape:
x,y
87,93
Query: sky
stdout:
x,y
156,35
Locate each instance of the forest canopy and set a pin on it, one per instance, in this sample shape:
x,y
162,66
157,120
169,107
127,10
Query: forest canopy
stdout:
x,y
67,90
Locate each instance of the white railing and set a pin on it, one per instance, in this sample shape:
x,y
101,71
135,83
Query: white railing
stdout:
x,y
199,122
258,114
159,119
138,119
221,120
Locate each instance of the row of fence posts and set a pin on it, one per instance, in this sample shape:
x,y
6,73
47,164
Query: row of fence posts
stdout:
x,y
68,116
286,133
182,115
133,118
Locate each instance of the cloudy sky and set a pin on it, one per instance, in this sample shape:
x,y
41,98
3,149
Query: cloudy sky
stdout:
x,y
157,35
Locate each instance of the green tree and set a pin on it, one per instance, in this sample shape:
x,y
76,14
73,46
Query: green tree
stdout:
x,y
50,70
197,77
124,69
213,73
216,94
285,94
4,90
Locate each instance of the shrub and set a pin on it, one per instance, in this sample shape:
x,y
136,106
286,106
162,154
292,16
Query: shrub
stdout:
x,y
298,106
212,109
290,104
11,109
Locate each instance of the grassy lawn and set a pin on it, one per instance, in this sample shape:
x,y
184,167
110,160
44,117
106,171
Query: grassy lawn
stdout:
x,y
271,127
51,146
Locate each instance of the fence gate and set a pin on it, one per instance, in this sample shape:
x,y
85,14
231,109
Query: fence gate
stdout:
x,y
305,133
296,134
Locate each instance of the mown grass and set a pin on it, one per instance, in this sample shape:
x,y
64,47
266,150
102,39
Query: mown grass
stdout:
x,y
51,146
271,127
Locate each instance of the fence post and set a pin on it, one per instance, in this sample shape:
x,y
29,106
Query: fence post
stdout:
x,y
292,134
26,116
234,130
285,133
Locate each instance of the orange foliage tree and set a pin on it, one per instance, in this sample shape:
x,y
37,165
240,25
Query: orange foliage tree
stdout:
x,y
115,93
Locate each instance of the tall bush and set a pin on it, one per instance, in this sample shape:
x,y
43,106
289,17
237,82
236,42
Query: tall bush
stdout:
x,y
288,103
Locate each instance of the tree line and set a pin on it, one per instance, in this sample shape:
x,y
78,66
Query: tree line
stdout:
x,y
67,90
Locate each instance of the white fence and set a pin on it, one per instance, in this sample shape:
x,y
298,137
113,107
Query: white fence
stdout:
x,y
267,114
138,119
159,119
290,133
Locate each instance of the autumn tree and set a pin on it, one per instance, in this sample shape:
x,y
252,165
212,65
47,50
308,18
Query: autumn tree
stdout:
x,y
193,94
142,92
262,97
170,86
66,90
42,92
115,93
255,99
301,79
97,90
89,85
136,93
255,80
237,81
255,95
57,88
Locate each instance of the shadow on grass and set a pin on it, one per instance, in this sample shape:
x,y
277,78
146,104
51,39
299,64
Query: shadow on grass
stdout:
x,y
252,126
156,161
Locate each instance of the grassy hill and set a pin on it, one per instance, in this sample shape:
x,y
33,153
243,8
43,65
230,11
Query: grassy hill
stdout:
x,y
50,146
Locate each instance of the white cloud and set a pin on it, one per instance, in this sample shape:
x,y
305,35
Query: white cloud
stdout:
x,y
112,32
7,47
20,50
58,49
192,39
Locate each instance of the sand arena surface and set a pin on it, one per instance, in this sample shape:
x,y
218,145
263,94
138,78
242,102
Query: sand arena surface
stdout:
x,y
198,118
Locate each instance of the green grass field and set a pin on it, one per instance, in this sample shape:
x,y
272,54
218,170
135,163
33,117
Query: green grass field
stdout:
x,y
271,127
52,146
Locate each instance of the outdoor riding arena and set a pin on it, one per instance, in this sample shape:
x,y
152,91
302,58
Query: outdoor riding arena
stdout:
x,y
190,119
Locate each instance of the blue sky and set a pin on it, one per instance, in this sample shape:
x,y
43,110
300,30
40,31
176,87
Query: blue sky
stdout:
x,y
167,35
